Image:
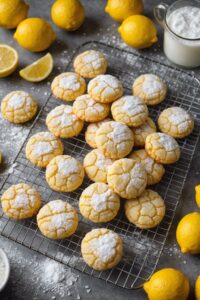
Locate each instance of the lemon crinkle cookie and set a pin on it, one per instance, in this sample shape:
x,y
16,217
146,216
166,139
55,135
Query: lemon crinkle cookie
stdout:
x,y
68,86
114,139
42,147
155,171
96,165
102,249
20,201
91,130
57,219
176,122
99,203
146,211
64,173
150,88
127,178
105,88
162,147
130,110
62,122
18,107
90,63
141,133
87,109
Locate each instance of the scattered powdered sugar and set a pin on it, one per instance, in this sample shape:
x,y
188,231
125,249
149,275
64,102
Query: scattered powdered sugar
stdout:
x,y
70,82
132,105
20,201
97,106
41,148
151,84
62,220
102,162
16,101
104,246
68,167
179,116
99,201
57,206
148,163
168,142
120,132
92,57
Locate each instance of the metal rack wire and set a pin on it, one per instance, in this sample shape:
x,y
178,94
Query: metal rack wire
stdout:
x,y
142,247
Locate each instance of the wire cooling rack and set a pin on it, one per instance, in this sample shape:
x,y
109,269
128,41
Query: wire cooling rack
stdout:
x,y
142,248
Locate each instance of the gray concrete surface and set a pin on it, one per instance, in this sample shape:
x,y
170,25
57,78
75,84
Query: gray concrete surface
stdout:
x,y
23,283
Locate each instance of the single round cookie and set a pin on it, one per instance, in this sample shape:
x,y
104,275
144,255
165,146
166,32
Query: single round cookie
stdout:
x,y
96,166
130,110
150,88
91,130
176,122
62,122
127,178
155,171
87,109
114,139
90,63
146,211
57,220
18,107
68,86
102,249
141,133
105,88
64,173
20,201
42,147
98,203
162,147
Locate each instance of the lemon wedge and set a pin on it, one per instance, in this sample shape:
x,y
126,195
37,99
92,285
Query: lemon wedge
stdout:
x,y
8,60
39,70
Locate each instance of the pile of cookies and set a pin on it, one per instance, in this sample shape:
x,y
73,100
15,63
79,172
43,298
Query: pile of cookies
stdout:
x,y
117,124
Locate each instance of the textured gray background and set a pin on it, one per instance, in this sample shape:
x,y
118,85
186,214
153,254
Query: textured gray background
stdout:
x,y
97,26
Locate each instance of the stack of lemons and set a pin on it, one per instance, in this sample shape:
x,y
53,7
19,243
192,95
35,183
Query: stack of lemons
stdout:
x,y
136,30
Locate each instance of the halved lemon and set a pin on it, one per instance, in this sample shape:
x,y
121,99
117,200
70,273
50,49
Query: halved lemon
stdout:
x,y
39,70
8,60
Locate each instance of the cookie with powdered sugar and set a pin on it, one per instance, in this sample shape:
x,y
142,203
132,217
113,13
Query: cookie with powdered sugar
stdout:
x,y
64,173
88,110
90,63
96,166
62,122
105,88
68,86
162,148
130,110
114,139
42,147
155,171
20,201
98,203
57,220
127,178
18,107
176,122
102,249
140,133
151,88
91,130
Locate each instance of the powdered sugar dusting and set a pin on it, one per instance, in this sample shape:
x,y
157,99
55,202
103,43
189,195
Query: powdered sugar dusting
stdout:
x,y
132,105
179,116
148,164
104,247
99,201
102,162
168,142
57,206
21,201
62,221
120,132
70,82
151,84
16,101
64,116
92,57
42,148
67,167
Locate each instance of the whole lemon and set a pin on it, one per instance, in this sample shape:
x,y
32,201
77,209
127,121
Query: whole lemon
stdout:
x,y
12,12
138,31
197,288
197,189
34,34
68,15
167,284
120,10
188,233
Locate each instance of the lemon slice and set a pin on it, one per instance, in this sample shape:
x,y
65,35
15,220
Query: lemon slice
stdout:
x,y
39,70
8,60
